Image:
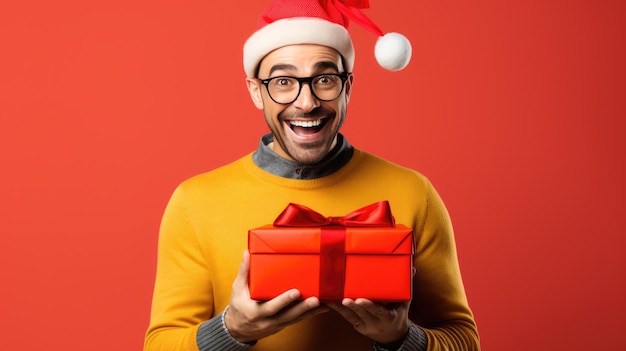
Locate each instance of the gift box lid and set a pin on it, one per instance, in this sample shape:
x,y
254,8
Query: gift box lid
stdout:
x,y
396,240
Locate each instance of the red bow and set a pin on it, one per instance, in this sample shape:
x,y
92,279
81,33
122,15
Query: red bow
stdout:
x,y
375,215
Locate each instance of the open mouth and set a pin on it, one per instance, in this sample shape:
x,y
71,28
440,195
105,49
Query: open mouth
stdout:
x,y
307,127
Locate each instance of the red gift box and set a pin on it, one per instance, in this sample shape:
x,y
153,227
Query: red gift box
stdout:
x,y
364,254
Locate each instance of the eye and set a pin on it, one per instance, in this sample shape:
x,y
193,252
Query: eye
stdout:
x,y
282,82
326,80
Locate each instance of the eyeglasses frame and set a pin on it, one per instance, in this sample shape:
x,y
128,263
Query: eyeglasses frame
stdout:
x,y
343,76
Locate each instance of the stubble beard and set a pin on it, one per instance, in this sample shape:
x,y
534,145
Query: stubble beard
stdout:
x,y
314,152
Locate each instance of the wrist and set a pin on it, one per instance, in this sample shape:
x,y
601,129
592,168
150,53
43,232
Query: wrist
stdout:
x,y
393,346
233,333
395,343
416,339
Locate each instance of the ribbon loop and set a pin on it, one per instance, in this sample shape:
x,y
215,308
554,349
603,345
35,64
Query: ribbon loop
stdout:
x,y
375,215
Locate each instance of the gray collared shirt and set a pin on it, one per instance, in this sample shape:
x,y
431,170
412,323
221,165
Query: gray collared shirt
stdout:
x,y
271,162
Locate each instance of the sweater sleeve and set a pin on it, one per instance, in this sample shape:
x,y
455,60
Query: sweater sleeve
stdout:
x,y
414,341
439,305
213,335
182,297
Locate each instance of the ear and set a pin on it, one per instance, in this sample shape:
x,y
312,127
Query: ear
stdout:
x,y
348,87
254,88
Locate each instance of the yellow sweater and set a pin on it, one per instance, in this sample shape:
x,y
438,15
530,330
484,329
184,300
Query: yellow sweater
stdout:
x,y
204,233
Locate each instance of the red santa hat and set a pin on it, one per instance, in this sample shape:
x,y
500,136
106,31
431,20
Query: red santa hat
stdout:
x,y
322,22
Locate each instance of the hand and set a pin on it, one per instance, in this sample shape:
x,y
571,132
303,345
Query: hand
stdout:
x,y
248,320
385,323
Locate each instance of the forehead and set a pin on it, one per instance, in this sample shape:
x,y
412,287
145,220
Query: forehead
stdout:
x,y
305,59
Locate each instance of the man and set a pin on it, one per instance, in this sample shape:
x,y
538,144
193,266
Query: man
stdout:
x,y
299,68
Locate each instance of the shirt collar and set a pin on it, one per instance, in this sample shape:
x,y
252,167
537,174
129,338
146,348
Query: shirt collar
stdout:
x,y
271,162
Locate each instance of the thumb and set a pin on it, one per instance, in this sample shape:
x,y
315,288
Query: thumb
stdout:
x,y
241,281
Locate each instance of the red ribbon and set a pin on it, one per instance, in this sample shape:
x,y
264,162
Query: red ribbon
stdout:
x,y
375,215
332,263
333,239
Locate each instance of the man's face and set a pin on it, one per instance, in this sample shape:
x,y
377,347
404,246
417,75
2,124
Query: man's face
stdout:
x,y
306,129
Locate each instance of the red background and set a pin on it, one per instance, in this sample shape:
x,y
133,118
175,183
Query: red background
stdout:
x,y
514,109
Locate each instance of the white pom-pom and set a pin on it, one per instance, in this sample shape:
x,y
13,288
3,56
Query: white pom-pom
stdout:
x,y
393,51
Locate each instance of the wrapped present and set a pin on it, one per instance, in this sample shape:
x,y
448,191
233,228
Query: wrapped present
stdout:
x,y
362,255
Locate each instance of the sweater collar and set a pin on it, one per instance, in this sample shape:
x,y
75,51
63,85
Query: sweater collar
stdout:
x,y
271,162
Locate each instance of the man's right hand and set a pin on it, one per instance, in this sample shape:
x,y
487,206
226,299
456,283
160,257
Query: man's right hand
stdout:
x,y
248,320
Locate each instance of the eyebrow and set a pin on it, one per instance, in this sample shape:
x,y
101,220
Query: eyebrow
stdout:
x,y
326,64
282,67
318,67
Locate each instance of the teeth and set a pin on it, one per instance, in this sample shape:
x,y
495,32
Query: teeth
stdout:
x,y
306,124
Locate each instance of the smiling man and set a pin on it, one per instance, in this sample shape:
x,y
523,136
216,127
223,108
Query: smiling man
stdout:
x,y
299,73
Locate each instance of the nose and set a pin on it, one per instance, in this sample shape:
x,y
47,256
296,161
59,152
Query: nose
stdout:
x,y
306,101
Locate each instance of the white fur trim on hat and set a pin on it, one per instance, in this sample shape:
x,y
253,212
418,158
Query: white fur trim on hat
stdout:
x,y
296,30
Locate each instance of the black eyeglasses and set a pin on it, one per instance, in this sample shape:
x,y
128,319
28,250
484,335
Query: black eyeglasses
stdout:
x,y
324,87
